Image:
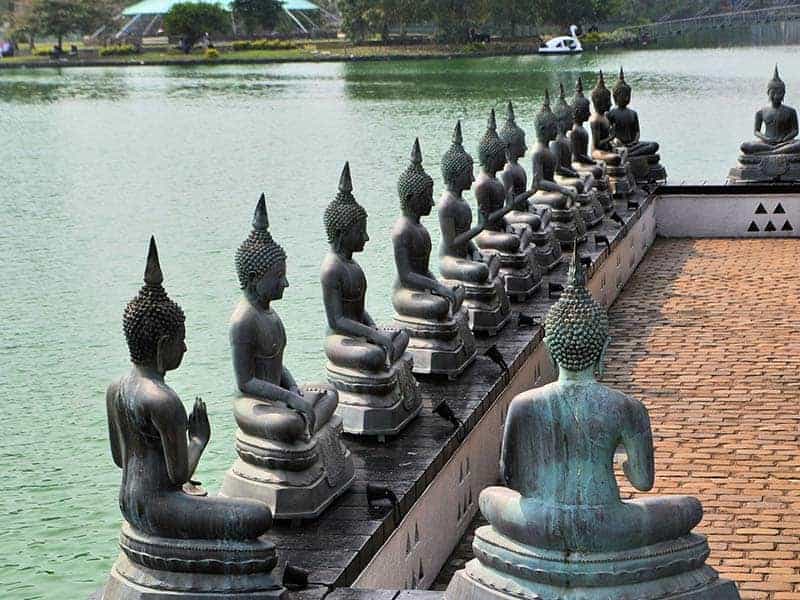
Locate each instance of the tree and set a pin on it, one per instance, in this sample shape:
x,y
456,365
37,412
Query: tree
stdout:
x,y
257,15
63,17
191,20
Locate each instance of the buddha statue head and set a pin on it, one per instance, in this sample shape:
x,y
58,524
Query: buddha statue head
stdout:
x,y
154,324
545,122
415,186
576,327
513,136
776,88
622,91
345,219
491,149
260,262
581,109
563,111
457,164
601,97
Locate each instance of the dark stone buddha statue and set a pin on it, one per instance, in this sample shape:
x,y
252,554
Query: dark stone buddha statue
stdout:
x,y
644,158
579,142
519,271
588,204
368,365
431,312
460,261
288,439
558,528
774,156
176,542
566,220
546,249
614,157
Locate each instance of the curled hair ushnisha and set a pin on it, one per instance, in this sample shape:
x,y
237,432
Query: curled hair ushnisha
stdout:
x,y
259,252
511,133
562,110
343,212
456,160
621,88
601,92
545,119
576,327
776,83
581,108
491,149
151,314
414,183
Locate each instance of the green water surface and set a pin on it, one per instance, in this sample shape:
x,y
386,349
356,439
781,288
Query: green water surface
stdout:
x,y
92,161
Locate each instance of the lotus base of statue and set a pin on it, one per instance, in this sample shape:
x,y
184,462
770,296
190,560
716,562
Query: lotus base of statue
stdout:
x,y
505,569
442,348
518,272
297,480
487,306
376,404
157,568
766,168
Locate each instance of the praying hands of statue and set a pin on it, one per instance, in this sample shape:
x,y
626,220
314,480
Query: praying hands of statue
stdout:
x,y
199,428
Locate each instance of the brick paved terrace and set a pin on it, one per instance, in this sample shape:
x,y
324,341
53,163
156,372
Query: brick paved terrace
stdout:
x,y
707,335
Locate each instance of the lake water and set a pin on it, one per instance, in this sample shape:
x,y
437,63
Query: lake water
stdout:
x,y
92,161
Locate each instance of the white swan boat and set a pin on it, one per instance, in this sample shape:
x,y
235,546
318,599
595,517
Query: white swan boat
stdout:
x,y
565,44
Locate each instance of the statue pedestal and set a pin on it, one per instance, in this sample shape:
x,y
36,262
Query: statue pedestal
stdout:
x,y
546,248
504,569
486,304
155,568
568,226
439,347
591,210
620,180
296,480
376,404
520,279
767,168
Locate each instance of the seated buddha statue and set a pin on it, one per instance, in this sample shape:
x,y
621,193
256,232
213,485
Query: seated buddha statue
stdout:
x,y
614,157
547,250
558,527
774,156
368,365
431,312
288,441
176,541
588,204
566,220
461,263
644,158
579,142
519,271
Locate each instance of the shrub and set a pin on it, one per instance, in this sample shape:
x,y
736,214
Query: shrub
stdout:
x,y
122,50
42,51
242,45
211,54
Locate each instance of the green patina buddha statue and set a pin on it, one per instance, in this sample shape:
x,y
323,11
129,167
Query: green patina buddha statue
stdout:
x,y
546,249
558,529
582,162
588,204
774,156
368,365
460,260
519,271
644,157
614,157
430,311
288,439
176,541
566,220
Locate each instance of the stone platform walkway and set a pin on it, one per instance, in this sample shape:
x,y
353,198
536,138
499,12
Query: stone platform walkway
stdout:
x,y
707,334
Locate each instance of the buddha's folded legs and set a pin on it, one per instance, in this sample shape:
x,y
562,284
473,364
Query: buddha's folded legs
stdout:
x,y
610,158
273,420
180,515
463,269
355,353
496,240
608,527
642,148
420,305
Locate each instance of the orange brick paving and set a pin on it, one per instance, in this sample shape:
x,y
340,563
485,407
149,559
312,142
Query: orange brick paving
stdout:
x,y
707,335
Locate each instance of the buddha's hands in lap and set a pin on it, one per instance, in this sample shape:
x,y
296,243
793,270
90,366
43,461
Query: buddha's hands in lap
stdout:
x,y
199,427
520,202
304,404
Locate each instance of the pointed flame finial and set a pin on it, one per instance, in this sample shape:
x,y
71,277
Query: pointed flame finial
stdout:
x,y
546,103
577,276
345,183
510,117
775,75
561,91
457,137
579,85
260,217
601,80
621,74
416,153
152,272
492,123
